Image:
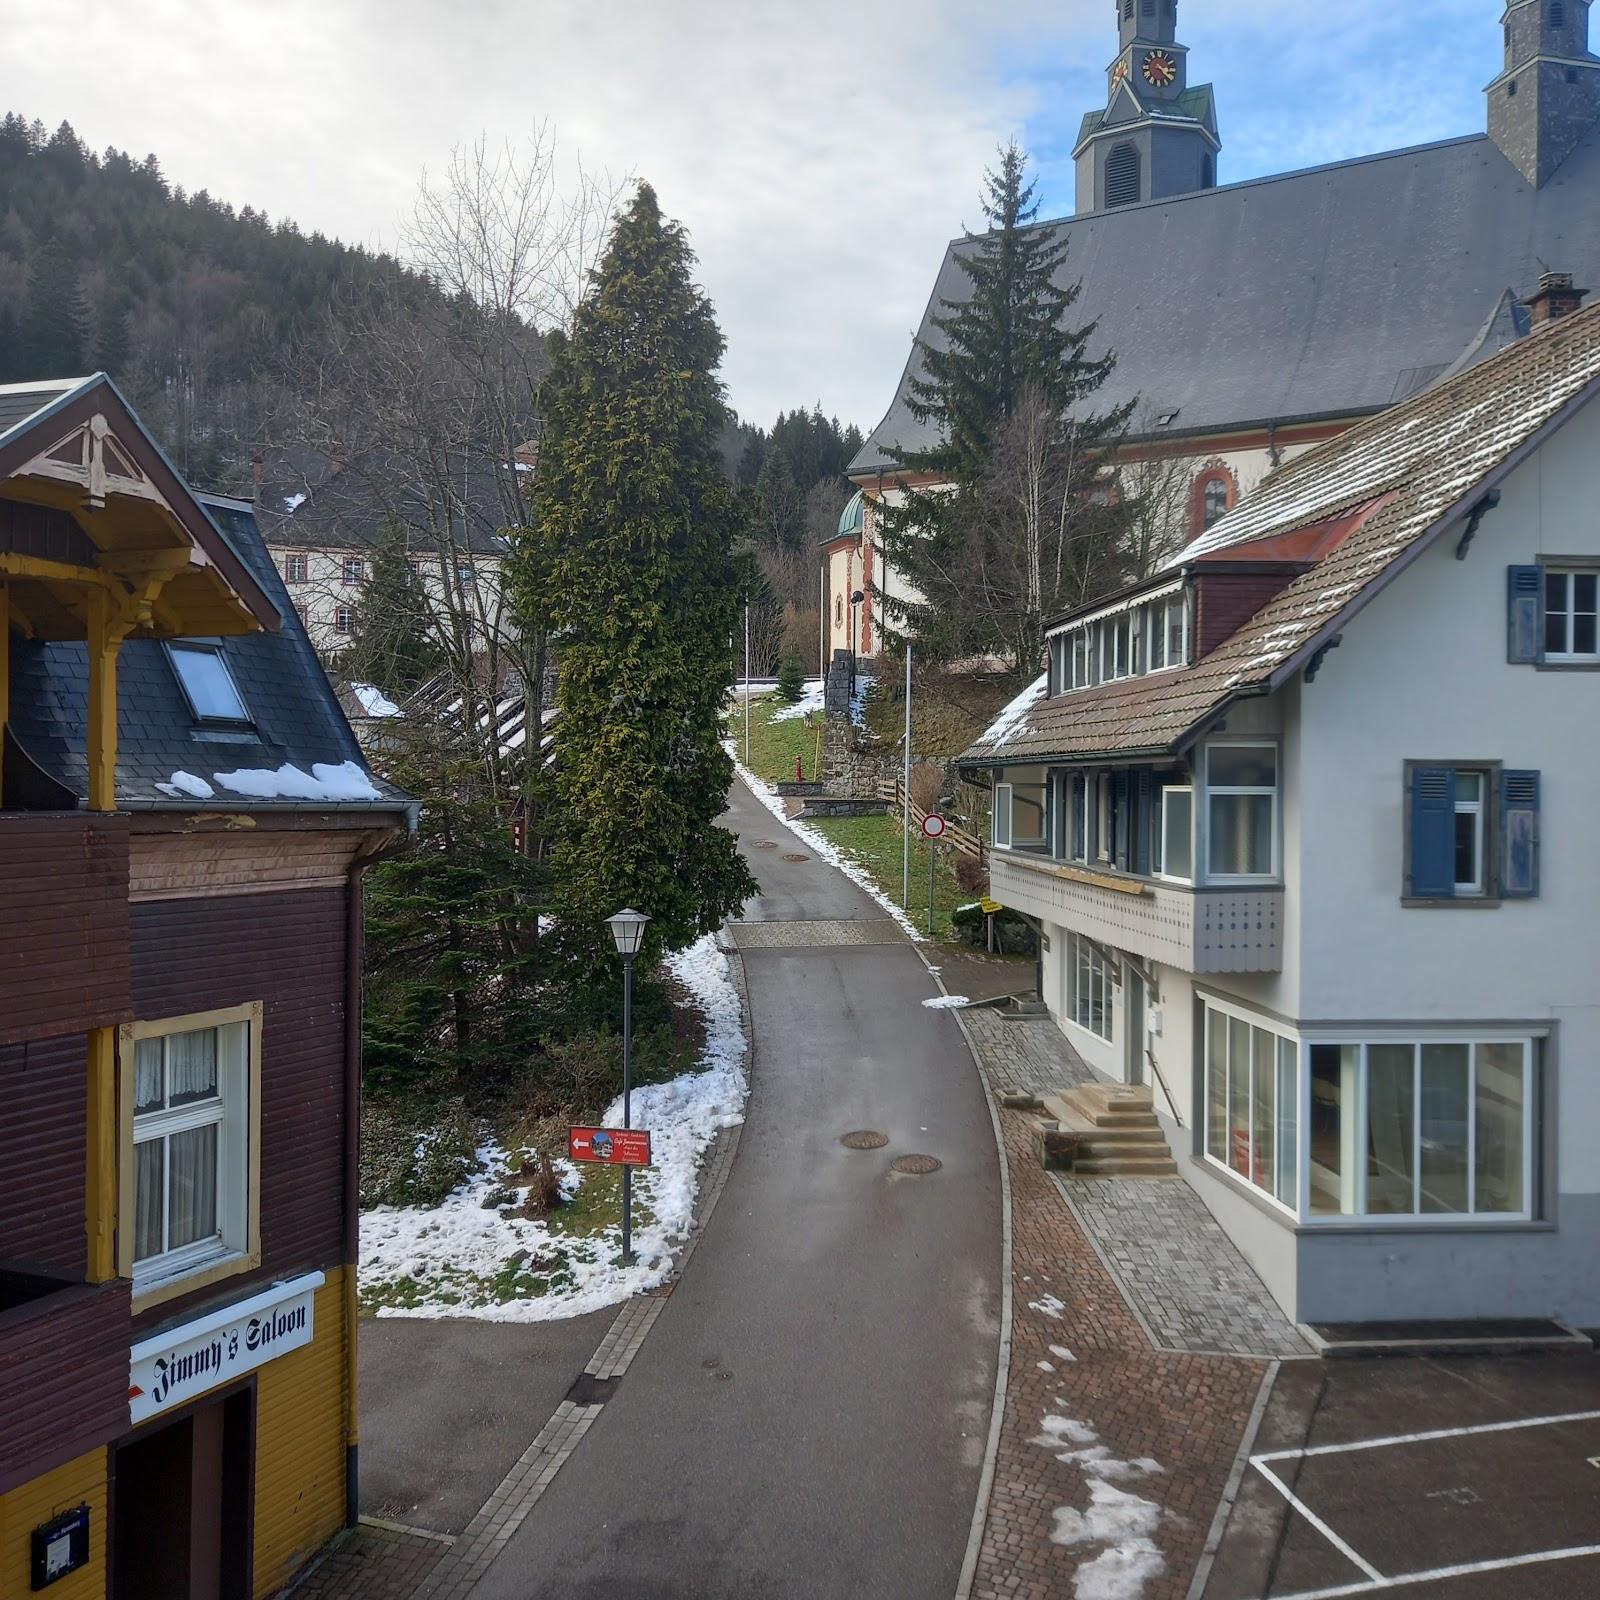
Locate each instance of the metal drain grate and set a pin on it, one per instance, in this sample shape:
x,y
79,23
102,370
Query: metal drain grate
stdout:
x,y
916,1166
864,1139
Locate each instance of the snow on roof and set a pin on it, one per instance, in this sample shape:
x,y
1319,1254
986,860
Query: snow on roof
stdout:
x,y
999,732
374,701
346,781
1430,459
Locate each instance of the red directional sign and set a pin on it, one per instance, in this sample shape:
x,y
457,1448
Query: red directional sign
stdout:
x,y
613,1147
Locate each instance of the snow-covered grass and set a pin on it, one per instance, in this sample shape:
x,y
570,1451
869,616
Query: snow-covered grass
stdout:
x,y
465,1259
820,845
810,701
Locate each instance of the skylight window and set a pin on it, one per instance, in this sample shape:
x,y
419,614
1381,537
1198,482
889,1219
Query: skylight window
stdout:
x,y
207,683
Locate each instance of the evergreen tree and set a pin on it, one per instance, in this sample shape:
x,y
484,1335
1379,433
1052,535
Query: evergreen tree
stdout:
x,y
395,647
791,680
1009,346
779,505
637,520
49,334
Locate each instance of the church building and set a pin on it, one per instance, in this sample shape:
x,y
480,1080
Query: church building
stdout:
x,y
1254,320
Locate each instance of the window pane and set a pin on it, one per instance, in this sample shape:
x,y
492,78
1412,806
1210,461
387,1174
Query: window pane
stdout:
x,y
147,1189
1499,1107
1217,1084
1467,831
147,1075
1264,1070
1555,613
192,1062
1469,787
1288,1123
1239,1096
1242,766
192,1195
1175,633
1158,638
1177,843
1444,1127
1391,1128
1334,1069
1583,634
1241,834
208,685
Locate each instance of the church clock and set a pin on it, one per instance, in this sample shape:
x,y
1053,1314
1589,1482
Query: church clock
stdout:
x,y
1119,74
1160,70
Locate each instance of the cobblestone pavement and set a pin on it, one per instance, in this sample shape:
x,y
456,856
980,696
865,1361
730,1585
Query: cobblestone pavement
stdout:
x,y
1182,1274
1113,1456
805,935
1029,1055
371,1562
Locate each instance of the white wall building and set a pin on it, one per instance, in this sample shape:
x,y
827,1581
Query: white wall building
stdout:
x,y
1304,821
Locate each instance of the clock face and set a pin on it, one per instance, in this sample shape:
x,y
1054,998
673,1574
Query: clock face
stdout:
x,y
1160,70
1119,75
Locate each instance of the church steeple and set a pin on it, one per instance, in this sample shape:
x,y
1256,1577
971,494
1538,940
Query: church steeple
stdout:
x,y
1156,136
1548,95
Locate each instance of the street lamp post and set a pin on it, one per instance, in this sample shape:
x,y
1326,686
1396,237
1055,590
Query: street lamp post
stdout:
x,y
856,597
627,928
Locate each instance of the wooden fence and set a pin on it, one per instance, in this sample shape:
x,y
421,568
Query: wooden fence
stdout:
x,y
958,838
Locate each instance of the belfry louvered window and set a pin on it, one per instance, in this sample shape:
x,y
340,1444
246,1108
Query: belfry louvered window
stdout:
x,y
1558,14
1122,176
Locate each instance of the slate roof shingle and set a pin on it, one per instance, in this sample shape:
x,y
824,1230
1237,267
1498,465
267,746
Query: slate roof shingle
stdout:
x,y
1425,463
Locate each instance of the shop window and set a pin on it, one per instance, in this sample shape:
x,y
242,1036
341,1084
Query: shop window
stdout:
x,y
1252,1103
207,682
1089,986
191,1104
1241,810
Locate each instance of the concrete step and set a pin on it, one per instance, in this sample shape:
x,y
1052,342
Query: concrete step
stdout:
x,y
1081,1111
1115,1139
1124,1167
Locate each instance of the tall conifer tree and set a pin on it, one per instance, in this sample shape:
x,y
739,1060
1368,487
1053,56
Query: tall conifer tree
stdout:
x,y
636,520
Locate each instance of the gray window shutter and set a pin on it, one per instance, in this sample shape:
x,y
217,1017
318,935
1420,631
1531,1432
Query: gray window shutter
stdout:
x,y
1519,835
1079,843
1119,808
1524,613
1433,833
1144,821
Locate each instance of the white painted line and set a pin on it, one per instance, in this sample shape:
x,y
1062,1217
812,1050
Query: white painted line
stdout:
x,y
1424,1438
1440,1574
1321,1526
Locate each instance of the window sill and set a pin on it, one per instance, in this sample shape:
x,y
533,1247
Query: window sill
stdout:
x,y
158,1291
1464,902
1567,666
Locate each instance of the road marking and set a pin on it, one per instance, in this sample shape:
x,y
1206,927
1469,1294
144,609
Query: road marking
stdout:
x,y
1316,1522
1439,1574
1424,1438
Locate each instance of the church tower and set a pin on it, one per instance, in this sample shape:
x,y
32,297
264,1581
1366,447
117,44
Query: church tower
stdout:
x,y
1547,97
1156,136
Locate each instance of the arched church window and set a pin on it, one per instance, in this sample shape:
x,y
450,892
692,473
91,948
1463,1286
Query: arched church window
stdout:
x,y
1122,176
1216,501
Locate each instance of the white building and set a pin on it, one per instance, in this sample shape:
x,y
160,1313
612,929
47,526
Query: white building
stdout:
x,y
1305,823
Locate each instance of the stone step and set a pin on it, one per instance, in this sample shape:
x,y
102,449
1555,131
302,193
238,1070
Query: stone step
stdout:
x,y
1124,1167
1114,1139
1072,1108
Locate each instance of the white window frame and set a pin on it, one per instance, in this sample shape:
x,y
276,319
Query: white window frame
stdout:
x,y
1086,963
1002,808
1105,817
352,570
296,568
1301,1142
237,1244
1161,866
344,619
1274,865
1569,612
1359,1218
1478,810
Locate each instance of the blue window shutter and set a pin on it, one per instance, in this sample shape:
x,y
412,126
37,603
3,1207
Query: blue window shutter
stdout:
x,y
1078,851
1433,833
1519,834
1524,613
1144,821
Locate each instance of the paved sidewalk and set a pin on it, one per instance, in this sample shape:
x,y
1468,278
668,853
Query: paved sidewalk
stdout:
x,y
370,1563
1113,1455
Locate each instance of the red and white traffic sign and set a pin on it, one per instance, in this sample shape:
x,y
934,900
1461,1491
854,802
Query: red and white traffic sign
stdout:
x,y
934,826
612,1147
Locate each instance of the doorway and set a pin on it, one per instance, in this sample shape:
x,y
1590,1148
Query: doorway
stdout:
x,y
182,1493
1133,1015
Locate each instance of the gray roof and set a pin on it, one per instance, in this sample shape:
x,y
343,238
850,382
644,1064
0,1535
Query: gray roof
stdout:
x,y
297,716
1333,292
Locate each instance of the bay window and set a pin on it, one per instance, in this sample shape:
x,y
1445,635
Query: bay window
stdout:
x,y
191,1097
1418,1128
1175,836
1242,810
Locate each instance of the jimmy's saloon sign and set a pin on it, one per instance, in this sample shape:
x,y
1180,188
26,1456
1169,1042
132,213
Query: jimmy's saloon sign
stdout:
x,y
186,1361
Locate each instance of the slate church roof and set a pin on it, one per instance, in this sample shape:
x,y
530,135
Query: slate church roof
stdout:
x,y
1386,489
1328,293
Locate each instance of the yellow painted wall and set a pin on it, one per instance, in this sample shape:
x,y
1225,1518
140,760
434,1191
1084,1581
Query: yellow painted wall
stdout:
x,y
34,1503
300,1436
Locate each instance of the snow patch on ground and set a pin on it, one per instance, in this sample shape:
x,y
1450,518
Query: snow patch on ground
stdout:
x,y
947,1002
347,781
1061,1353
374,701
1048,1305
1124,1523
460,1259
820,844
810,701
1009,722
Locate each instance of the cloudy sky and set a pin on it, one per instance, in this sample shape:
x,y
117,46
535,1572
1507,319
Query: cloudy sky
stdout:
x,y
820,152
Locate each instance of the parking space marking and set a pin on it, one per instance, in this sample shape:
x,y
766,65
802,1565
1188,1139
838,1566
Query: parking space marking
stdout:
x,y
1376,1581
1469,1569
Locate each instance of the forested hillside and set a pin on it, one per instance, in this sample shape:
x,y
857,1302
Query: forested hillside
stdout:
x,y
186,302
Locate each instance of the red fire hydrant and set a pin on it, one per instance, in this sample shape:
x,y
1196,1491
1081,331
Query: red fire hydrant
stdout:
x,y
799,770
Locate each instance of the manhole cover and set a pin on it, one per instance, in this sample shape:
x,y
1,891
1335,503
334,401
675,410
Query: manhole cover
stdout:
x,y
916,1166
764,844
864,1139
794,855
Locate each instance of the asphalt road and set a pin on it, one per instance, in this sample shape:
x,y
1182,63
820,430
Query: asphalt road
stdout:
x,y
808,1416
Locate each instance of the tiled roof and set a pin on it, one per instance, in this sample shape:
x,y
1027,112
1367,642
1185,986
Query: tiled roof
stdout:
x,y
1430,458
1332,292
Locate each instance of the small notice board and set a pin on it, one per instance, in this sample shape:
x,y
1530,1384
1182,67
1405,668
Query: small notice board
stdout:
x,y
612,1147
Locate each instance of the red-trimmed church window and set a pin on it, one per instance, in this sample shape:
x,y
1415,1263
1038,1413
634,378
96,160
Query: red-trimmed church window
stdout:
x,y
1214,494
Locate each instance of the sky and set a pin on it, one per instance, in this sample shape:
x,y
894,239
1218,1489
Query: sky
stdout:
x,y
820,153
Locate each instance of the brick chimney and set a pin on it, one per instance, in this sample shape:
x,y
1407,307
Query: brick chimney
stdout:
x,y
1555,298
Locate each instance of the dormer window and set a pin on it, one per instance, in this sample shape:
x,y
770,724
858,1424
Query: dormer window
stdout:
x,y
207,683
1151,636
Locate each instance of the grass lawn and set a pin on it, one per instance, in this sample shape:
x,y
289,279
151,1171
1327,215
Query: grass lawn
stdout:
x,y
875,844
774,744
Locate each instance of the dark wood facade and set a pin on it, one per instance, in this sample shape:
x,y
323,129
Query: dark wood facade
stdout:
x,y
44,1089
